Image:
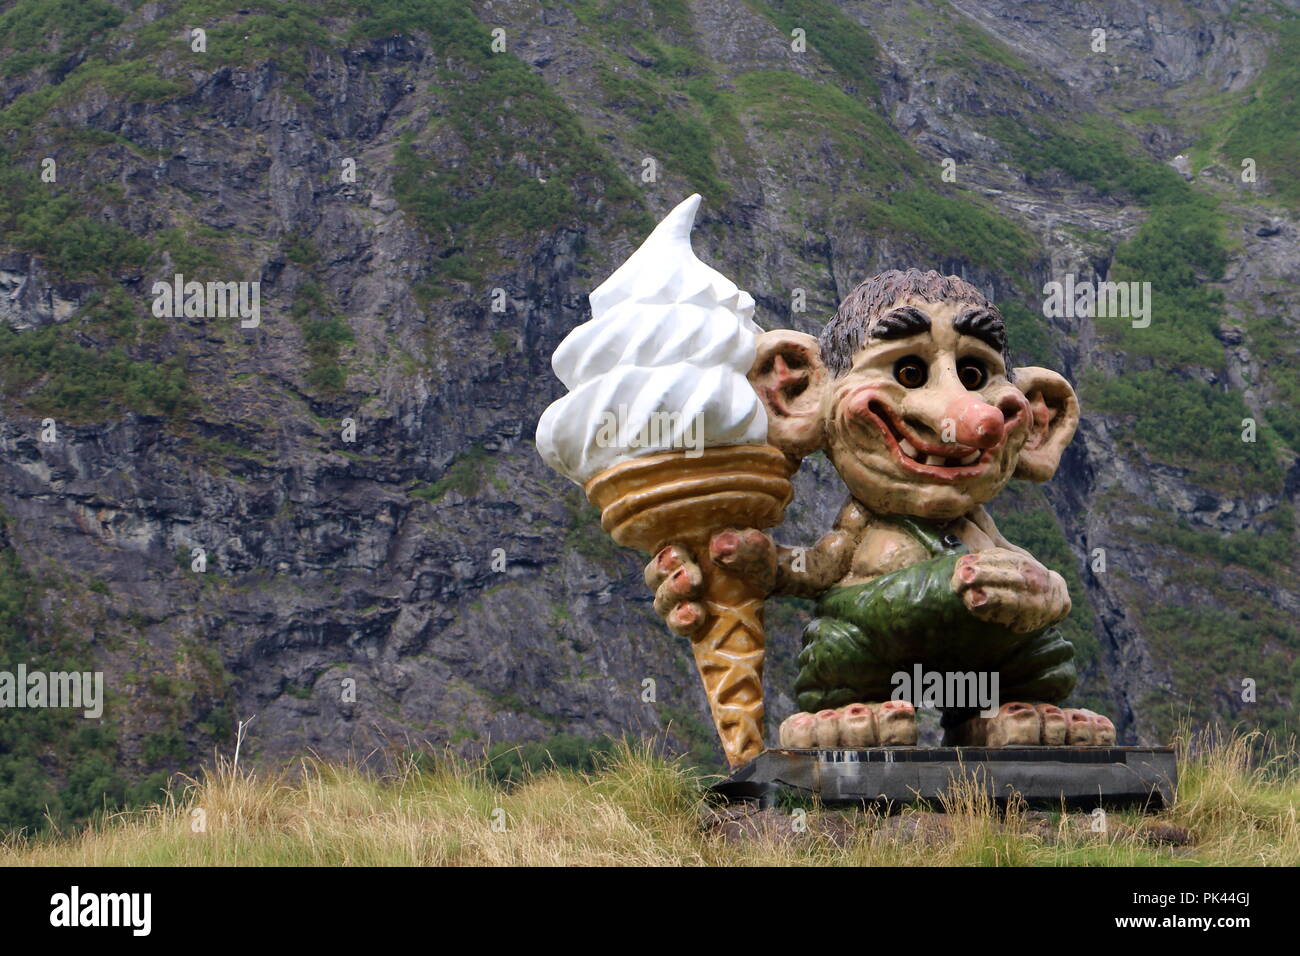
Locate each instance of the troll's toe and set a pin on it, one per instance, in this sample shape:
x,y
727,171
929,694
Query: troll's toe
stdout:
x,y
889,724
796,732
1053,721
1078,728
1015,725
1103,731
895,723
826,728
858,726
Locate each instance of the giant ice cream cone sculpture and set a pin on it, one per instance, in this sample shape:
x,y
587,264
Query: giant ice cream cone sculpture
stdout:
x,y
668,438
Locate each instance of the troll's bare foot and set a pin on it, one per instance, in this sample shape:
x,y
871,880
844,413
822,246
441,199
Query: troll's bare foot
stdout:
x,y
1019,724
1015,724
888,724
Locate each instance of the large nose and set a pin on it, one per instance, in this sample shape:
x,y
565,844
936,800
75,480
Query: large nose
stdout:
x,y
979,424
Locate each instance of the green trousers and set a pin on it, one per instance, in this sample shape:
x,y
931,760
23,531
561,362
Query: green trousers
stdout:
x,y
865,633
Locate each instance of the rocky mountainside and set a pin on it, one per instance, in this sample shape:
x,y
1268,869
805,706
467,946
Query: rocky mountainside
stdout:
x,y
426,190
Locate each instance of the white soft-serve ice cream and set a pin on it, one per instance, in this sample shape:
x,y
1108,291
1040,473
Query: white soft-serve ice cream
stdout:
x,y
661,365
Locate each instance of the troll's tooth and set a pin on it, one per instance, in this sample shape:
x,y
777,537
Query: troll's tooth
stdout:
x,y
971,458
908,449
934,460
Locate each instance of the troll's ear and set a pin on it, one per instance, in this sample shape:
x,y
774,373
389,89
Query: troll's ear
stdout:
x,y
789,377
1053,417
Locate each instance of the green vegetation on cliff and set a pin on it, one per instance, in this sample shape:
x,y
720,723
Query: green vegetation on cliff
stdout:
x,y
524,158
38,34
57,768
1180,249
55,376
84,369
843,43
1267,127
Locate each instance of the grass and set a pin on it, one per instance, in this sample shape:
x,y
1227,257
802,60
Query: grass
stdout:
x,y
56,376
1180,249
1186,423
846,45
680,142
89,368
1264,548
1210,629
1275,346
894,191
1092,151
585,535
54,766
27,29
464,476
1237,796
55,227
1267,128
325,335
976,49
1190,638
523,157
1029,335
950,228
804,111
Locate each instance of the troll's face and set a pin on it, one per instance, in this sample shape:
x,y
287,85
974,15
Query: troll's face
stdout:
x,y
909,394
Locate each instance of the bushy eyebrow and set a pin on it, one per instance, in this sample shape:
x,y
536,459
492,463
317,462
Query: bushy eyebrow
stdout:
x,y
900,323
985,325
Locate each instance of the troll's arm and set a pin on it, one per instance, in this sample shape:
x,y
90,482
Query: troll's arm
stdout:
x,y
807,572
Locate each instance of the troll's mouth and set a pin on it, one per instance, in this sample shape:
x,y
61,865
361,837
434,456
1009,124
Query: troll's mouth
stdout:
x,y
937,462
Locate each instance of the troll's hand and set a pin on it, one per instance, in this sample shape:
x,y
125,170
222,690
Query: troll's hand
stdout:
x,y
1011,589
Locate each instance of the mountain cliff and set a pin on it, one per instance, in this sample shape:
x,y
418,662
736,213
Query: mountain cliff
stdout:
x,y
426,190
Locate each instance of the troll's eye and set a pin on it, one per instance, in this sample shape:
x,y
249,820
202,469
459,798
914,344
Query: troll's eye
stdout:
x,y
972,373
910,372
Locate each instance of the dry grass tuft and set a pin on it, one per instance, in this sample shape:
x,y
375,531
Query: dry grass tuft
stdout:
x,y
1237,801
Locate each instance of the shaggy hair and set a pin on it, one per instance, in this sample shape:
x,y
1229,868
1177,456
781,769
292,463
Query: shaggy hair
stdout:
x,y
860,312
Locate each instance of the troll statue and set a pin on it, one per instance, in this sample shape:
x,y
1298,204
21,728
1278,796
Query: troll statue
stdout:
x,y
910,393
683,423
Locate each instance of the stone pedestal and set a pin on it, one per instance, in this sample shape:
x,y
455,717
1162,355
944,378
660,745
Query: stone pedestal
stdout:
x,y
1046,777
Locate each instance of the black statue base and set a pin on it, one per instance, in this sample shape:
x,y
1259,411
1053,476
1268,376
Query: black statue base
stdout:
x,y
1076,777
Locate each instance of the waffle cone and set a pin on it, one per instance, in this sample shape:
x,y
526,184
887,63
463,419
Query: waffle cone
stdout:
x,y
657,500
